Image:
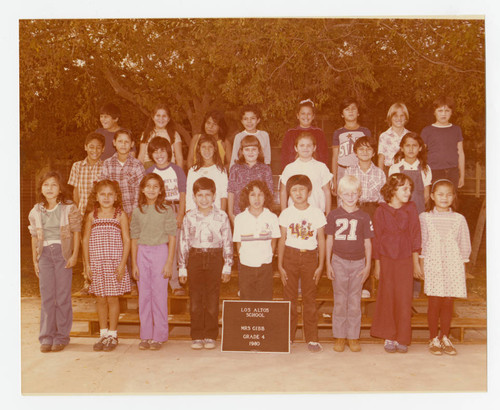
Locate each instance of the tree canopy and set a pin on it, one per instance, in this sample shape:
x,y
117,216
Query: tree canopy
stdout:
x,y
68,68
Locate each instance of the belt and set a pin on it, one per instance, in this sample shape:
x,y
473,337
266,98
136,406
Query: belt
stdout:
x,y
205,250
290,248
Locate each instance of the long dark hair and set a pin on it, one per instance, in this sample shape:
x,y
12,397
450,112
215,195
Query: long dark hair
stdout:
x,y
392,185
149,131
160,205
216,157
63,196
421,156
218,118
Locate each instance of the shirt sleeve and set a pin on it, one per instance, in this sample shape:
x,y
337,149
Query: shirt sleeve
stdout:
x,y
266,147
223,184
268,178
74,219
135,226
377,230
322,147
170,226
183,247
181,178
231,185
236,147
105,174
427,176
189,189
74,174
464,245
425,234
275,227
227,246
236,233
287,149
414,228
335,139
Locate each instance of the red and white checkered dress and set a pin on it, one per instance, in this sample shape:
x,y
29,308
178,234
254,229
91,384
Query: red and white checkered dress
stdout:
x,y
105,252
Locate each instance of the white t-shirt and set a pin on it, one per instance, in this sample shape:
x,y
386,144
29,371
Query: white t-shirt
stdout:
x,y
426,177
215,174
318,173
302,226
263,138
255,235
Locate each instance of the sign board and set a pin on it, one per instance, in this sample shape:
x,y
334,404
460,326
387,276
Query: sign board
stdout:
x,y
255,326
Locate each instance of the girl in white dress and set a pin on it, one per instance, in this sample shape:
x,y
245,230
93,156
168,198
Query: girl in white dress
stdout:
x,y
445,249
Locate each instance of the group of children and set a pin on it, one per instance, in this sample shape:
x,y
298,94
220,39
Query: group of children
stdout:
x,y
143,219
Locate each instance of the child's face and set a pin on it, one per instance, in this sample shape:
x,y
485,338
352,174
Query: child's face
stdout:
x,y
305,148
443,115
305,116
411,148
349,197
50,189
350,113
123,144
365,153
398,119
160,157
204,199
299,194
108,122
211,127
403,193
151,190
250,154
256,198
207,151
161,118
106,197
250,121
94,149
443,197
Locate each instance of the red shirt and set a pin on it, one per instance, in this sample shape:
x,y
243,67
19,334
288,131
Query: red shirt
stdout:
x,y
397,231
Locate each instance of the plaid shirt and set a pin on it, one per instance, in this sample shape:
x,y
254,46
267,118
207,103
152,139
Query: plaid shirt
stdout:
x,y
83,176
128,176
200,231
371,182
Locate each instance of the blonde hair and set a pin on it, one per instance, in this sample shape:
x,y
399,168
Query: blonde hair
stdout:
x,y
392,110
349,182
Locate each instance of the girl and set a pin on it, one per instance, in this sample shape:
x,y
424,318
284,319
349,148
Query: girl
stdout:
x,y
305,115
152,230
445,248
344,138
389,140
208,164
256,231
160,124
396,246
106,245
215,126
318,173
413,162
55,237
248,167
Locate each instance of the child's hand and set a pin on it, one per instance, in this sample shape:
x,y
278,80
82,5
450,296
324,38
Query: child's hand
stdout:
x,y
226,277
167,271
183,279
120,272
333,185
179,219
365,272
417,272
71,262
283,275
376,270
88,273
317,274
461,181
135,272
330,274
37,269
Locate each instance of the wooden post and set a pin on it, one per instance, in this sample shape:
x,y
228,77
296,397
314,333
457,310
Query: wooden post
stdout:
x,y
478,179
478,233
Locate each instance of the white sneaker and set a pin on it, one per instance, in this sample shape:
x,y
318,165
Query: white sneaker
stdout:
x,y
365,294
447,346
197,344
209,344
435,346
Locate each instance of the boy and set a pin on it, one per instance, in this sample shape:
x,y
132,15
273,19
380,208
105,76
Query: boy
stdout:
x,y
82,177
250,118
301,253
444,141
125,169
109,115
206,248
348,232
160,150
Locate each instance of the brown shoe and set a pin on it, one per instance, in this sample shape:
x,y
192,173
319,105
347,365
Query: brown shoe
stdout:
x,y
339,345
447,346
354,345
45,348
58,348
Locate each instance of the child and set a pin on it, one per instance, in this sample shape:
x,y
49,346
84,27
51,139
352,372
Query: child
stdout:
x,y
206,249
344,138
317,172
301,253
413,163
348,232
106,245
389,140
445,249
305,115
152,231
82,177
395,249
160,124
372,178
444,143
250,118
208,164
214,126
174,180
55,239
123,168
256,230
249,166
109,115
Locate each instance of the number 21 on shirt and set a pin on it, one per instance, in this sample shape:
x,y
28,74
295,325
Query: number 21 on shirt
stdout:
x,y
346,229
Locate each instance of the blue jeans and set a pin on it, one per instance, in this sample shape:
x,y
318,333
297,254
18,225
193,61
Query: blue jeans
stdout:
x,y
56,316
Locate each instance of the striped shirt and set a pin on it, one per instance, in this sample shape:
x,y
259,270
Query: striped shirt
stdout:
x,y
82,176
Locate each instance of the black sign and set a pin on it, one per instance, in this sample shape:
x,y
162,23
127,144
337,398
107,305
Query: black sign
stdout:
x,y
255,326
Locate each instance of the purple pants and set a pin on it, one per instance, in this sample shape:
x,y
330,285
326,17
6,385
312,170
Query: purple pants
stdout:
x,y
153,292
